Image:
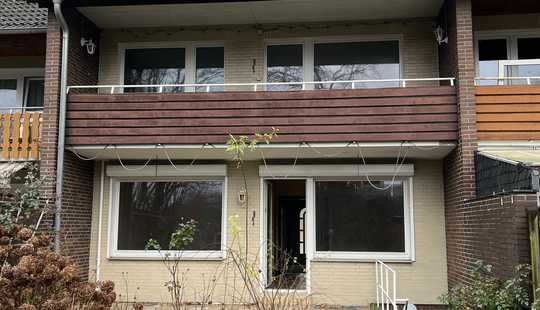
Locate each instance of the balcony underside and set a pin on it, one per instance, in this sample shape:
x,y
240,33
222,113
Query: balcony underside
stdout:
x,y
363,115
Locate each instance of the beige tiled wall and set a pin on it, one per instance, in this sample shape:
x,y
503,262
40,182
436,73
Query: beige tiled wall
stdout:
x,y
243,45
346,283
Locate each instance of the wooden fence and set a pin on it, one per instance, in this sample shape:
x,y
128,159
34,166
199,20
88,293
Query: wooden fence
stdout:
x,y
20,136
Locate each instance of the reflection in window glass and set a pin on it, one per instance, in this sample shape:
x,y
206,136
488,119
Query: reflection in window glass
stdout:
x,y
210,63
34,92
357,61
154,210
352,216
528,48
8,93
154,66
284,64
490,52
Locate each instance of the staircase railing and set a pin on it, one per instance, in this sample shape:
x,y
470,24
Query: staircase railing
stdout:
x,y
386,287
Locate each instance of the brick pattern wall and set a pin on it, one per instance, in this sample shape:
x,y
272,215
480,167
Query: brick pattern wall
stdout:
x,y
497,232
78,174
457,59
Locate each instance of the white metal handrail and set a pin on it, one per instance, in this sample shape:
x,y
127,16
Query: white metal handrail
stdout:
x,y
499,80
261,86
19,109
386,287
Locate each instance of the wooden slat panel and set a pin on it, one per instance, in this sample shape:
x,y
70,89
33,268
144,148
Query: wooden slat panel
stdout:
x,y
25,135
508,112
398,114
6,135
35,134
15,135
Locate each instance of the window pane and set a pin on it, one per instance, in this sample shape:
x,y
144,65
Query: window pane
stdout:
x,y
357,61
210,67
528,48
155,66
34,93
8,93
284,64
154,210
490,52
354,217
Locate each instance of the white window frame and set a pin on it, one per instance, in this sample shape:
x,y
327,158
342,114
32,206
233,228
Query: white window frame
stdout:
x,y
407,256
511,36
202,255
22,75
190,56
314,173
523,62
308,47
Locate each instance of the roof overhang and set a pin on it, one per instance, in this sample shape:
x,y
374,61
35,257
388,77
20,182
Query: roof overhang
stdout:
x,y
169,13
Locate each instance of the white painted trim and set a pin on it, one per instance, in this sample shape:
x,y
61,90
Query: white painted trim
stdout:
x,y
514,62
334,170
277,145
308,47
190,55
167,171
408,256
203,255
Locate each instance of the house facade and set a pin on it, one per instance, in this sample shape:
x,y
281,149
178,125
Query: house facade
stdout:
x,y
383,118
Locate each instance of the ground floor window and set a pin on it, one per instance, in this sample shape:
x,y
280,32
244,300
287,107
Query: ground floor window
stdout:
x,y
354,216
154,209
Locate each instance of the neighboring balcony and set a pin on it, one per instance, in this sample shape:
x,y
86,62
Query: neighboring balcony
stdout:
x,y
20,135
303,113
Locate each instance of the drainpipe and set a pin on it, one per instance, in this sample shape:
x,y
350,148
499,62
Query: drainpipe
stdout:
x,y
61,123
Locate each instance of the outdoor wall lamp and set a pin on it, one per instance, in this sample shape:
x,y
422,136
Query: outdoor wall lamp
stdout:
x,y
89,44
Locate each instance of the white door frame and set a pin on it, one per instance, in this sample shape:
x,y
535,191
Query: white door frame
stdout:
x,y
309,229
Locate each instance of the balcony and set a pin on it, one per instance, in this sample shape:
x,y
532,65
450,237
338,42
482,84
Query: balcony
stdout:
x,y
395,114
20,136
509,112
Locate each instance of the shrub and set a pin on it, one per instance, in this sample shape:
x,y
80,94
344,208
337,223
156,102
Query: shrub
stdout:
x,y
32,276
488,292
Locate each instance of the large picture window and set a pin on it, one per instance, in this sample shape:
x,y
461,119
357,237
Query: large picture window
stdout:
x,y
356,61
353,216
185,64
331,61
21,89
153,210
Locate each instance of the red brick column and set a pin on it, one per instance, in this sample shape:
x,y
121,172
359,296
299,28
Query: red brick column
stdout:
x,y
457,59
78,175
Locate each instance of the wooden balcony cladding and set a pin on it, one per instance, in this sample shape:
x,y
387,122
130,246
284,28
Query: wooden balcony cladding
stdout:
x,y
508,112
20,136
394,114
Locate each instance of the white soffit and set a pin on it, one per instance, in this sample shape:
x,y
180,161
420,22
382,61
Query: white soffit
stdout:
x,y
335,170
419,150
258,12
167,171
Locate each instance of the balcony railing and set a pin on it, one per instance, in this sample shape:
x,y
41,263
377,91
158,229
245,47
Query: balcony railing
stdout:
x,y
508,110
20,134
427,113
275,86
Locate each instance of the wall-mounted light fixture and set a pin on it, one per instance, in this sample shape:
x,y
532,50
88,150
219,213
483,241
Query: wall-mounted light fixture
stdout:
x,y
89,44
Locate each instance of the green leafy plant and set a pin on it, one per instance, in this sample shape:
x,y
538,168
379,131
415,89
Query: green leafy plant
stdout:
x,y
488,292
237,146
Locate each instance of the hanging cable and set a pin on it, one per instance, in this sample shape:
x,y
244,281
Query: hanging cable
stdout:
x,y
400,160
133,169
191,164
293,165
81,157
328,155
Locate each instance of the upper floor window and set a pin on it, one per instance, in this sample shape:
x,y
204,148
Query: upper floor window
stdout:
x,y
327,63
508,56
179,65
21,89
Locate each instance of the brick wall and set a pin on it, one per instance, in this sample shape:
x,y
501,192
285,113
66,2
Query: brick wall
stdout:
x,y
497,232
457,59
78,175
